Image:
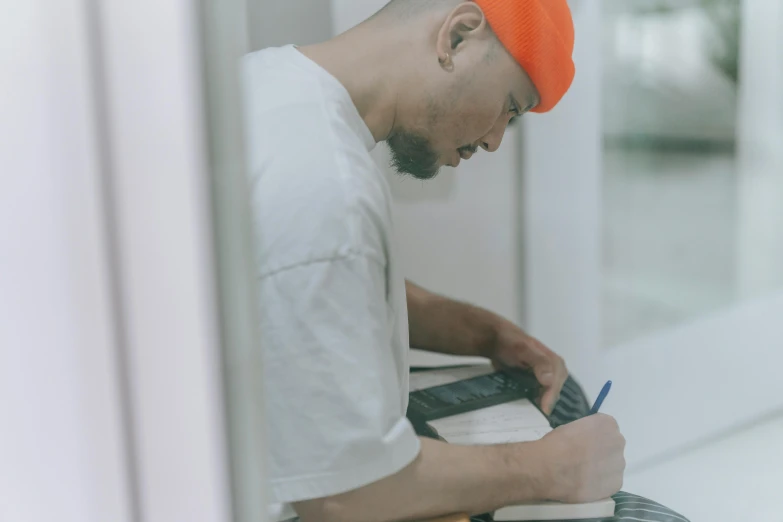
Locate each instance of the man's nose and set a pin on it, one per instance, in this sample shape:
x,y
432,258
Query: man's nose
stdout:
x,y
491,141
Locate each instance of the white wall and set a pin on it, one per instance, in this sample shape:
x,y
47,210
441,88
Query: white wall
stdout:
x,y
61,445
348,13
459,234
275,23
155,105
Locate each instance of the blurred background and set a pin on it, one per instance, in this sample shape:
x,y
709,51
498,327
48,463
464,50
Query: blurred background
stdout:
x,y
637,230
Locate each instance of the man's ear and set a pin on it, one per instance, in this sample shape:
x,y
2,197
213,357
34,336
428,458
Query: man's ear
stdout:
x,y
465,23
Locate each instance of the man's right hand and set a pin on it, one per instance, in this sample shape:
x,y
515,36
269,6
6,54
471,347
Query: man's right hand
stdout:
x,y
579,462
584,459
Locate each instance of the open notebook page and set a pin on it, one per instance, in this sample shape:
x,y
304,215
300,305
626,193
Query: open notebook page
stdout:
x,y
516,421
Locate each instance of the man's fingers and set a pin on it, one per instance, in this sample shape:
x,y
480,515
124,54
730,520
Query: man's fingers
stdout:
x,y
559,371
538,356
553,389
544,376
548,400
546,365
541,361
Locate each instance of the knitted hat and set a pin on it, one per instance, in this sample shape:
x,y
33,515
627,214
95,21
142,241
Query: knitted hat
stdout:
x,y
539,34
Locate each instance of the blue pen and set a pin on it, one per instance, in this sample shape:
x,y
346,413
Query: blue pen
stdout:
x,y
601,396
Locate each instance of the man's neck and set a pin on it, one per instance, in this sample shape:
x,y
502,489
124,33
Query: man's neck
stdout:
x,y
371,67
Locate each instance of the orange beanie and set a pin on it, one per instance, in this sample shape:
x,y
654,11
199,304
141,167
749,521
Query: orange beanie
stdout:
x,y
539,34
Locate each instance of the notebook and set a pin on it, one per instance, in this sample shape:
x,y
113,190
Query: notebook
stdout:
x,y
516,420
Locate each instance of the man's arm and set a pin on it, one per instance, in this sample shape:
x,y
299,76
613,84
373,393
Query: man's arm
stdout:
x,y
443,479
440,324
579,462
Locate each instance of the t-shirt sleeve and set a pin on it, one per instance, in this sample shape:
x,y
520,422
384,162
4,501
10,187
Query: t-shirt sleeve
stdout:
x,y
334,405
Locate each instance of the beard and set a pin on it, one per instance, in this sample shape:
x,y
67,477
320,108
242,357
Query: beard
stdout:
x,y
412,154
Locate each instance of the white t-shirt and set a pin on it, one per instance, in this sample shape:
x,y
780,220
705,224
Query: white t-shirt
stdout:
x,y
333,314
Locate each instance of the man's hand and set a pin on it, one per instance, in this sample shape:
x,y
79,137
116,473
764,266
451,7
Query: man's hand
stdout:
x,y
585,460
439,324
512,347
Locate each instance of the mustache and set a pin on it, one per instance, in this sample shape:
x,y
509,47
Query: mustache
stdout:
x,y
468,148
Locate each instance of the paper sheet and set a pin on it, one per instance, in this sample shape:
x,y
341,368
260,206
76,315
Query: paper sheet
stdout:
x,y
516,421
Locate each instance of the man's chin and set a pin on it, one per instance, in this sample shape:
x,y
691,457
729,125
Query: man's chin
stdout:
x,y
413,156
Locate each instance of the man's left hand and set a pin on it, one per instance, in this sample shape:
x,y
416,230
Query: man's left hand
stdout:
x,y
514,348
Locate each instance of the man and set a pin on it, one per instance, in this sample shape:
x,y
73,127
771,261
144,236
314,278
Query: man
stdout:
x,y
436,80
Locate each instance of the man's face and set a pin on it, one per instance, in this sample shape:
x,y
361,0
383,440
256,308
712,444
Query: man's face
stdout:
x,y
461,110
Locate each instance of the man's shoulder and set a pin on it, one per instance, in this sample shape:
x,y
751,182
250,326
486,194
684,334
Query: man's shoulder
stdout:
x,y
310,206
315,189
271,78
317,199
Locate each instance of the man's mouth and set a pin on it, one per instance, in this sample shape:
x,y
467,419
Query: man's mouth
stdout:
x,y
466,152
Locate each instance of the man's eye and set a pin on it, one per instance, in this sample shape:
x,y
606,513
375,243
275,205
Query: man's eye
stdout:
x,y
514,109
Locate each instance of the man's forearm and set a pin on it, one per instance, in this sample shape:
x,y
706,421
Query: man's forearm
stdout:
x,y
440,324
443,479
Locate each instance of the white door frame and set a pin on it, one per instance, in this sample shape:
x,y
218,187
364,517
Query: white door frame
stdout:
x,y
561,202
115,304
675,387
63,446
158,183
